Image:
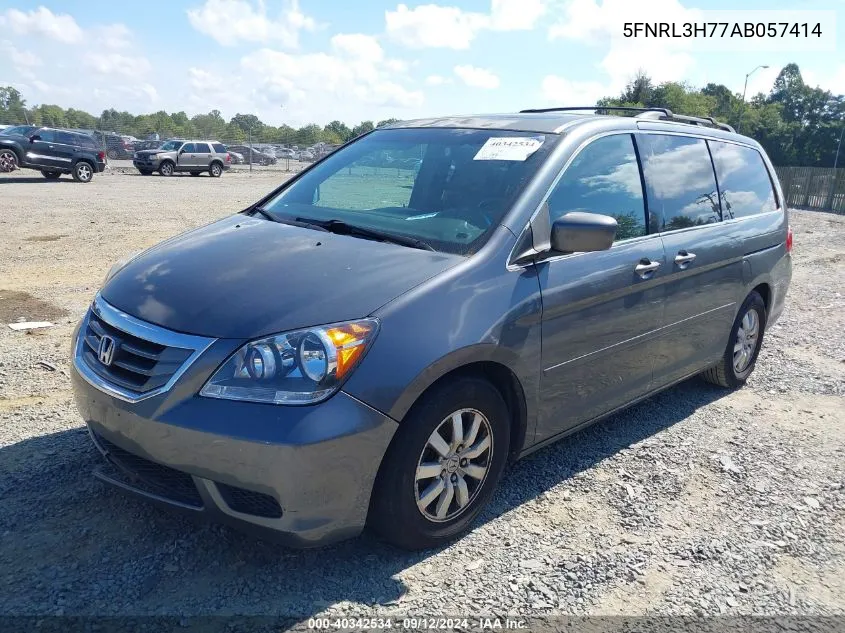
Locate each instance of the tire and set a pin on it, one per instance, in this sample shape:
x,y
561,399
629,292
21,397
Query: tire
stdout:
x,y
394,511
8,160
166,168
112,154
51,175
733,369
195,173
82,171
216,170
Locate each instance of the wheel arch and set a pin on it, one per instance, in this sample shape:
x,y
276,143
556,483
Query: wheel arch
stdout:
x,y
483,361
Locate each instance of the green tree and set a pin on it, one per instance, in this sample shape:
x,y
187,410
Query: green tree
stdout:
x,y
12,106
362,128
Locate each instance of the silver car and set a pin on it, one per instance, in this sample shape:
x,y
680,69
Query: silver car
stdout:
x,y
194,157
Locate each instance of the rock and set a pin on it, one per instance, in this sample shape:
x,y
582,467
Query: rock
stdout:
x,y
812,502
531,563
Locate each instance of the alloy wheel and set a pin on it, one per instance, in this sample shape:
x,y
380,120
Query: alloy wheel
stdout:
x,y
84,172
746,340
453,465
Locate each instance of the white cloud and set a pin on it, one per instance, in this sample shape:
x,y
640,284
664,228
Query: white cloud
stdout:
x,y
358,46
516,15
112,36
230,21
116,64
437,80
477,77
310,86
559,91
599,22
436,26
21,60
42,21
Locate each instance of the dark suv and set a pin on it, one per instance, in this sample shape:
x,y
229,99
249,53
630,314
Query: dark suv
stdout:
x,y
53,152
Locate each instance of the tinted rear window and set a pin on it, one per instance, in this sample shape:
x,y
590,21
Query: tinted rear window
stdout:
x,y
219,148
744,181
202,148
680,184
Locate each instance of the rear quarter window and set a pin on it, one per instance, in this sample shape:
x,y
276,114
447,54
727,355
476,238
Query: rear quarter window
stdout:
x,y
744,182
219,148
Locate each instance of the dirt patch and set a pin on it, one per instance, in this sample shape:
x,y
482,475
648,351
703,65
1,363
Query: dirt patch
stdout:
x,y
16,305
44,238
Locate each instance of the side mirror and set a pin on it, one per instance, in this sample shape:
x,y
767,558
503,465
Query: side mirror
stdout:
x,y
181,151
34,137
580,232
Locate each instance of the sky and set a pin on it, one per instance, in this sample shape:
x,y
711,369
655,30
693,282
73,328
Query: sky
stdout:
x,y
304,61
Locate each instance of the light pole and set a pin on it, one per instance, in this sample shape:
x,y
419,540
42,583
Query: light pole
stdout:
x,y
838,147
744,88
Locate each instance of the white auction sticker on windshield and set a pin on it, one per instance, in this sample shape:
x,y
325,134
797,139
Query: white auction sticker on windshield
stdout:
x,y
509,147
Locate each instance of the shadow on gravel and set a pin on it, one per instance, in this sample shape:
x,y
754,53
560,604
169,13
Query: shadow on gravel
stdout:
x,y
71,545
18,180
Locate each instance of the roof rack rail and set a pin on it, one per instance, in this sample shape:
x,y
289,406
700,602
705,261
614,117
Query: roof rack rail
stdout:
x,y
645,113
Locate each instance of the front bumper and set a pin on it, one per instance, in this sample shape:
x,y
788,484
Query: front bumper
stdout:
x,y
303,475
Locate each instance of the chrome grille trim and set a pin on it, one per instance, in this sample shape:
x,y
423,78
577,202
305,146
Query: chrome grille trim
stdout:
x,y
139,329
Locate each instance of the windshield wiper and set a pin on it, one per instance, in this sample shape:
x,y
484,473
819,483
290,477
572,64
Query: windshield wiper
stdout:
x,y
344,228
283,220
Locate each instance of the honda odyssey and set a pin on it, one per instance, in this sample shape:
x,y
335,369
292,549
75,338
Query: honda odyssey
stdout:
x,y
373,341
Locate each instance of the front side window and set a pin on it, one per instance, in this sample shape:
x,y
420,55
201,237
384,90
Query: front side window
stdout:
x,y
604,178
47,136
170,146
188,148
447,187
744,182
680,184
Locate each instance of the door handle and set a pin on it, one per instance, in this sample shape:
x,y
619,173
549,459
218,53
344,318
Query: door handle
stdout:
x,y
646,268
684,259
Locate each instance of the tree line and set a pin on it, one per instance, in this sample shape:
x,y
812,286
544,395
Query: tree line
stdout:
x,y
796,124
240,128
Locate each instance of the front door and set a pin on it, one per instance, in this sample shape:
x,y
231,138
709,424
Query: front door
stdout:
x,y
187,157
46,151
601,310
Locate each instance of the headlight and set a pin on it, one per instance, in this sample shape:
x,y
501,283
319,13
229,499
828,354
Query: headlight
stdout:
x,y
300,367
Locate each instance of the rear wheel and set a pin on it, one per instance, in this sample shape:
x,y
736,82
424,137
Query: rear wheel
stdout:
x,y
8,160
442,466
216,170
744,344
166,168
50,175
82,171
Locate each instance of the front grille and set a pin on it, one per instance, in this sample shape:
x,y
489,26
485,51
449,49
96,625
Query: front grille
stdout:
x,y
153,477
138,365
249,502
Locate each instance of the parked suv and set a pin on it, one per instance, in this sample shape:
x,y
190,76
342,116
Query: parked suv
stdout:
x,y
52,152
194,157
371,346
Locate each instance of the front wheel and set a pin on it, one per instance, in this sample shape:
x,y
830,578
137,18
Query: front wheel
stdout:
x,y
82,172
744,344
8,160
166,168
50,175
442,465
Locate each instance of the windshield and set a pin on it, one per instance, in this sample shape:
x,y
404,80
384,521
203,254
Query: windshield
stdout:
x,y
447,187
22,130
171,145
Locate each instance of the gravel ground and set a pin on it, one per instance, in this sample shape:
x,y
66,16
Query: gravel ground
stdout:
x,y
698,501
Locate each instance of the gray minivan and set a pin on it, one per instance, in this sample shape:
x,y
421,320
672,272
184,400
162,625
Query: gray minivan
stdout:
x,y
373,341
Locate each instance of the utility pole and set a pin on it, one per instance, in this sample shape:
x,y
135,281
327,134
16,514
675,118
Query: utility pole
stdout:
x,y
833,176
744,88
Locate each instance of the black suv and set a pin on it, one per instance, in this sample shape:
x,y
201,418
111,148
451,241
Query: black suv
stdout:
x,y
53,152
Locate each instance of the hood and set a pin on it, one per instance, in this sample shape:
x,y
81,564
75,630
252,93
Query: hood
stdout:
x,y
148,152
246,277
